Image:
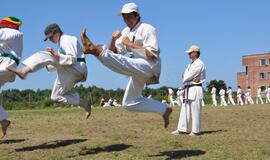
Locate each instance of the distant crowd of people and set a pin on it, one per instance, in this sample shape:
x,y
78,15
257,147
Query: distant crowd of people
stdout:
x,y
227,97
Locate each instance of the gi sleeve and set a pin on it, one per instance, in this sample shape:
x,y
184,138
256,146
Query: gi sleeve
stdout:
x,y
151,43
68,53
193,72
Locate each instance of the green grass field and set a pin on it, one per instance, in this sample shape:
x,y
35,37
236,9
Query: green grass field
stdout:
x,y
114,133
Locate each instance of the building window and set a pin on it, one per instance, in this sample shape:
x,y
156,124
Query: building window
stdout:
x,y
269,61
268,75
262,62
262,76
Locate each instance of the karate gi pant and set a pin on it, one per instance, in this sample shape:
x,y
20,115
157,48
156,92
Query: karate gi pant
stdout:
x,y
3,114
239,100
195,107
230,100
222,101
139,71
259,98
67,77
5,76
267,98
214,100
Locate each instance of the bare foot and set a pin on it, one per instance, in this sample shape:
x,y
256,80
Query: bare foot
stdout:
x,y
87,107
88,46
166,117
17,72
4,123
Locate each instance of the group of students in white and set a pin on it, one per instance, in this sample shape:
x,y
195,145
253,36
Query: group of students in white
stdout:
x,y
143,68
241,98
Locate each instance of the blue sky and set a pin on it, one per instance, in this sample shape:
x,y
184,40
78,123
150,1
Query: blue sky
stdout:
x,y
224,29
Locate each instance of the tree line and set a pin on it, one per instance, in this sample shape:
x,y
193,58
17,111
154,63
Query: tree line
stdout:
x,y
29,99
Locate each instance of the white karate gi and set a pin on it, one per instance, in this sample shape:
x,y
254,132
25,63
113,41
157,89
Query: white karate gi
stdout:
x,y
222,97
11,43
267,91
180,94
140,69
248,97
239,97
172,101
230,97
213,95
69,70
259,96
193,101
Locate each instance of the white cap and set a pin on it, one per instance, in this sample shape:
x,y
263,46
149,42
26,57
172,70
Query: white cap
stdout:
x,y
129,7
193,48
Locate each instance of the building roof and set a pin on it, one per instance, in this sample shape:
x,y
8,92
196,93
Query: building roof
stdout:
x,y
262,54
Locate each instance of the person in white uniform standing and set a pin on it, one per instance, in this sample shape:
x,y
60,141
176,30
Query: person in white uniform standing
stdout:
x,y
259,96
11,46
267,91
172,101
230,96
222,97
180,94
193,78
69,62
140,39
213,95
248,96
239,96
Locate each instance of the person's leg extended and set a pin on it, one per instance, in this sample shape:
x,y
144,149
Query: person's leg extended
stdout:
x,y
35,62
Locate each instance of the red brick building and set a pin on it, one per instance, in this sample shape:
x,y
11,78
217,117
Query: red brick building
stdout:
x,y
257,73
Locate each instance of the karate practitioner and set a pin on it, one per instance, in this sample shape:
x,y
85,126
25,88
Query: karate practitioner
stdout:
x,y
193,78
11,46
230,96
259,96
248,96
239,96
69,62
213,95
171,93
267,91
222,97
140,39
180,94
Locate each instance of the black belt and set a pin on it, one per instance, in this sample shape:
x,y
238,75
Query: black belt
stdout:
x,y
192,85
81,60
186,90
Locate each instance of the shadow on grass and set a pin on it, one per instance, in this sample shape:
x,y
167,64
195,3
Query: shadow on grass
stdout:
x,y
52,145
110,148
10,141
213,131
179,154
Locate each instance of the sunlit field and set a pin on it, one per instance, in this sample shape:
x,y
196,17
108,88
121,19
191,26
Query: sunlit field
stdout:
x,y
114,133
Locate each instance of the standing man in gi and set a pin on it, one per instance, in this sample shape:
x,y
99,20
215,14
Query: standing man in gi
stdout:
x,y
222,97
259,96
239,96
193,78
11,46
230,96
140,39
69,62
213,95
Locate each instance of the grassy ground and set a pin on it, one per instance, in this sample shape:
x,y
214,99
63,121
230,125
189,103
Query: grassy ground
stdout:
x,y
114,133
